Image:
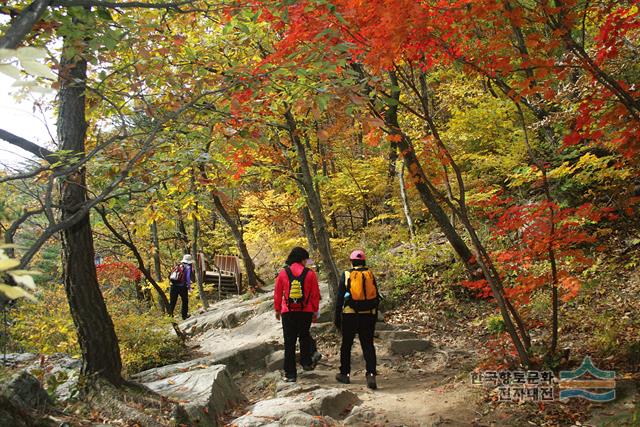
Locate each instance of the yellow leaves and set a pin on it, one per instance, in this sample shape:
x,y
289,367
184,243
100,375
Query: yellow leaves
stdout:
x,y
482,196
15,292
525,175
152,215
562,171
591,169
8,264
21,277
193,215
384,216
189,202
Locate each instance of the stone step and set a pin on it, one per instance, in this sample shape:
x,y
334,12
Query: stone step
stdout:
x,y
408,346
382,326
395,335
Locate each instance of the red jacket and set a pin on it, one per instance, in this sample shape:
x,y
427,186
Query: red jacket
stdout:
x,y
311,290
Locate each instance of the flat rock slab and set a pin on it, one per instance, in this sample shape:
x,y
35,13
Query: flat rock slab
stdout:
x,y
205,393
248,356
322,402
227,314
408,346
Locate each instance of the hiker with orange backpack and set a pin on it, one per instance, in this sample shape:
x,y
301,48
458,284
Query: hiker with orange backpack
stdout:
x,y
296,300
356,313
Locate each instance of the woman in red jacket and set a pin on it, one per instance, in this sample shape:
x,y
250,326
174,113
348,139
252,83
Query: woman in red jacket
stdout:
x,y
296,299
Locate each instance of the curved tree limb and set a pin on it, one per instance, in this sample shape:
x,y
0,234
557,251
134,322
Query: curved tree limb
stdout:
x,y
27,145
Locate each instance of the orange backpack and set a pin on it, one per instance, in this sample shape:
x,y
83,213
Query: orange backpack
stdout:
x,y
361,284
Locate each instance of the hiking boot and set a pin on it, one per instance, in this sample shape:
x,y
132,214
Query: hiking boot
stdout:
x,y
290,379
371,381
308,367
343,378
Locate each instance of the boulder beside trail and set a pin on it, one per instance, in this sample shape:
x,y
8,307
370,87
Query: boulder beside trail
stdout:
x,y
408,346
294,402
205,393
24,390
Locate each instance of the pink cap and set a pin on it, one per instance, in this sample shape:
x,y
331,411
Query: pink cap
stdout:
x,y
357,254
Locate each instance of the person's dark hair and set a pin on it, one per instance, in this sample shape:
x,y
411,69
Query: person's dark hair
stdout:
x,y
297,254
358,262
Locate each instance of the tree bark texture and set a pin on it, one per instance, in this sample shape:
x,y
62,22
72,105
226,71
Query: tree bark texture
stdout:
x,y
420,180
198,270
309,230
315,205
249,266
405,202
96,334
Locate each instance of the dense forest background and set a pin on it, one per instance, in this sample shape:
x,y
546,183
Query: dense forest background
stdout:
x,y
484,154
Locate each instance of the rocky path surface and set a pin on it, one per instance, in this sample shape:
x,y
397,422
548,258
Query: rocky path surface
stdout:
x,y
237,379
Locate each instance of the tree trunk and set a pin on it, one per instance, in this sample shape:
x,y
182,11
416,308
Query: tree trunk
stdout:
x,y
405,203
96,335
419,178
156,251
157,266
309,230
315,206
128,242
198,269
252,277
182,234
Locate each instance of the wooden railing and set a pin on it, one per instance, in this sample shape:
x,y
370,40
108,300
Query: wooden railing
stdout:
x,y
221,267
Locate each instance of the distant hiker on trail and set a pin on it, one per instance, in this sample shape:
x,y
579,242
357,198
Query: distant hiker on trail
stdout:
x,y
180,279
296,299
356,313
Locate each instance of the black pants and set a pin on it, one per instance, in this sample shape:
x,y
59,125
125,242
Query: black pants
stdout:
x,y
313,346
183,292
295,325
364,325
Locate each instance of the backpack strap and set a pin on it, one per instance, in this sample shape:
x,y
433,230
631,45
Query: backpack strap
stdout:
x,y
289,273
302,278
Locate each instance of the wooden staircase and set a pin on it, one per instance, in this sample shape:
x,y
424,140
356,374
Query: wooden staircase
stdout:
x,y
223,270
